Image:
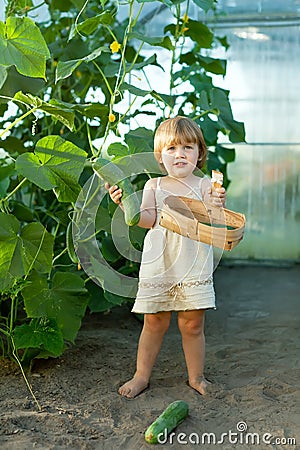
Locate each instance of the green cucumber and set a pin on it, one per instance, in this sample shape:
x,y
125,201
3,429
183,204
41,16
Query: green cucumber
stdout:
x,y
172,416
70,245
113,175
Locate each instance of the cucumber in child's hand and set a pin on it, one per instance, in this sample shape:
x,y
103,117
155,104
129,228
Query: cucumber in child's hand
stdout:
x,y
113,175
172,416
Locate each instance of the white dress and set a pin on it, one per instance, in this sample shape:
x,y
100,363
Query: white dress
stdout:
x,y
176,271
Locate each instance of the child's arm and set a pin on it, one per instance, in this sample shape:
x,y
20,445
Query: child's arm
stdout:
x,y
148,206
216,197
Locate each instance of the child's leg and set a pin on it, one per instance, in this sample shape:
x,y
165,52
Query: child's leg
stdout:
x,y
191,326
155,326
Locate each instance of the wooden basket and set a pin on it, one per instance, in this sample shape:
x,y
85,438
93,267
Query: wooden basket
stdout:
x,y
210,224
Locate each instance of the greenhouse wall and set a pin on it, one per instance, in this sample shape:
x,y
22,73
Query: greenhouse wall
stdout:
x,y
263,62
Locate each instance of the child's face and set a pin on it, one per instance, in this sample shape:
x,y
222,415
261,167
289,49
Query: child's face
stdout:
x,y
180,159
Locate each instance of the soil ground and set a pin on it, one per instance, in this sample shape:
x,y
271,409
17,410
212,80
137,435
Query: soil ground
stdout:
x,y
253,359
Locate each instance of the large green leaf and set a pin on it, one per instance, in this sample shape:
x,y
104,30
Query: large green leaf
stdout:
x,y
15,82
42,333
65,68
63,111
220,101
117,150
65,301
22,45
22,250
55,164
58,110
199,33
140,140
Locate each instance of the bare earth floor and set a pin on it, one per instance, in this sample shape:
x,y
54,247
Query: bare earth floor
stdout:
x,y
253,359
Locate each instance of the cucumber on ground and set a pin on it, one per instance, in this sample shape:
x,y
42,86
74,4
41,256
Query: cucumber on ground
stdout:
x,y
172,416
113,175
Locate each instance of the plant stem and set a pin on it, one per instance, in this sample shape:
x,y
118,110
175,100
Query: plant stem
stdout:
x,y
204,113
14,190
88,132
36,255
58,256
32,110
78,15
12,313
128,109
104,77
120,78
15,355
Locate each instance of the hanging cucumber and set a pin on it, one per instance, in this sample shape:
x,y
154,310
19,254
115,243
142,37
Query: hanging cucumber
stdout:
x,y
172,416
113,175
70,245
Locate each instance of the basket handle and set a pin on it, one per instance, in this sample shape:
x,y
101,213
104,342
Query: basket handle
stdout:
x,y
192,228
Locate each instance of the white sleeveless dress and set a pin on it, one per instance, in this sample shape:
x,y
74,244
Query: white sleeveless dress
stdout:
x,y
175,272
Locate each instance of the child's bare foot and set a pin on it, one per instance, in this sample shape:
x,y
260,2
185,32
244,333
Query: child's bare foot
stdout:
x,y
201,385
133,387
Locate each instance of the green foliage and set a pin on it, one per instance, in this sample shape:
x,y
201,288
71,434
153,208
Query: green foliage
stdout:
x,y
80,88
22,250
55,164
22,45
64,300
42,333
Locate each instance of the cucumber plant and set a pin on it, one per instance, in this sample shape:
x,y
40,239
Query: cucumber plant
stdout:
x,y
68,89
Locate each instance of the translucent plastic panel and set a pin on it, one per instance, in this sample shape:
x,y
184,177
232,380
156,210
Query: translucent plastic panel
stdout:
x,y
263,63
257,6
266,188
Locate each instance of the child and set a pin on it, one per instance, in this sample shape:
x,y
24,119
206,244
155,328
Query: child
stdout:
x,y
175,272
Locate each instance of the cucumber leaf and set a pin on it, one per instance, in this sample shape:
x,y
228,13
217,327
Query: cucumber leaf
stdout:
x,y
65,68
42,333
65,301
20,251
58,110
22,45
55,164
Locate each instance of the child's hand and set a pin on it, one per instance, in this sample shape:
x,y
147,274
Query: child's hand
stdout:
x,y
114,192
218,196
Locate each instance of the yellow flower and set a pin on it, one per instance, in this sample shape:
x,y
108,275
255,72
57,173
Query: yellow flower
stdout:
x,y
115,47
185,18
111,117
184,29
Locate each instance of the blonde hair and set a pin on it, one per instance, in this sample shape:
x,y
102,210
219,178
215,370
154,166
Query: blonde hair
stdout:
x,y
176,131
